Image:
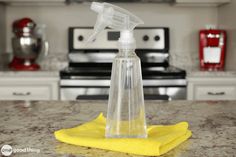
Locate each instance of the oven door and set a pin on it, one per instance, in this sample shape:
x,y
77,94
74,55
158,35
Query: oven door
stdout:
x,y
101,93
84,93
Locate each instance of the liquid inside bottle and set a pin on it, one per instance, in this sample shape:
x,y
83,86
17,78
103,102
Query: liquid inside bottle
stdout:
x,y
126,111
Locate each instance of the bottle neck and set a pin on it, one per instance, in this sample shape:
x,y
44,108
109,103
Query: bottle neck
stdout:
x,y
126,52
126,40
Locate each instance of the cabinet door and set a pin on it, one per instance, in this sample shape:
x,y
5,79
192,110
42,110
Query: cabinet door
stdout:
x,y
211,88
29,88
215,92
31,1
25,92
201,2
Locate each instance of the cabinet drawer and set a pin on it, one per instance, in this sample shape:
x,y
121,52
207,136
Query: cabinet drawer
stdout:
x,y
204,92
25,92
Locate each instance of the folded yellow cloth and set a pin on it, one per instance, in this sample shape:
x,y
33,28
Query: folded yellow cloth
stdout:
x,y
160,139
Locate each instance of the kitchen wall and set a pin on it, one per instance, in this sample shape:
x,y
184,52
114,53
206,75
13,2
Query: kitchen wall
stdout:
x,y
227,21
184,23
2,28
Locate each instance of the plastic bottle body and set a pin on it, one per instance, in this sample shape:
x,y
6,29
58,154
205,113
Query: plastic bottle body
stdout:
x,y
126,110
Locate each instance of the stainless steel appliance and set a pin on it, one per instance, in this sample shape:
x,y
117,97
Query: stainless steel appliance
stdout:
x,y
27,44
89,70
212,49
122,1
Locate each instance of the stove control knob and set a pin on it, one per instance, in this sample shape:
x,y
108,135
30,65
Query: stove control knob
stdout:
x,y
145,38
157,38
80,38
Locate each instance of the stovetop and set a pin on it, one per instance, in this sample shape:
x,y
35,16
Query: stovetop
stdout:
x,y
103,70
89,61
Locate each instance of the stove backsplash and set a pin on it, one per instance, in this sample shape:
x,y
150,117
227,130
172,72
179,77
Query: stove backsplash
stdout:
x,y
54,62
184,24
185,60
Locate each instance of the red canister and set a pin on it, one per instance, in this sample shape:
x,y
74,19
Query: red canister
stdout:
x,y
212,49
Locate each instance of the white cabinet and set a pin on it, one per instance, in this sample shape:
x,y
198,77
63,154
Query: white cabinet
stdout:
x,y
176,2
210,88
201,2
29,88
32,2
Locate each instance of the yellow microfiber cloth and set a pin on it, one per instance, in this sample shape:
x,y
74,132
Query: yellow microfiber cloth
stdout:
x,y
161,139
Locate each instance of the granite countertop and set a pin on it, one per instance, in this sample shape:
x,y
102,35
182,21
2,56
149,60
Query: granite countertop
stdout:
x,y
55,73
196,72
40,73
43,72
31,125
50,66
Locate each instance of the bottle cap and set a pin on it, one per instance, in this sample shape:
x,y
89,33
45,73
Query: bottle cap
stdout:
x,y
116,18
126,40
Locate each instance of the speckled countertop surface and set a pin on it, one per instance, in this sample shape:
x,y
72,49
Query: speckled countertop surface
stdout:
x,y
43,72
31,125
50,66
196,72
40,73
55,73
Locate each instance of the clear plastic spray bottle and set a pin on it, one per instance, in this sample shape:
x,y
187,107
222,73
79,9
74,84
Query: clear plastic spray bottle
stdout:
x,y
126,111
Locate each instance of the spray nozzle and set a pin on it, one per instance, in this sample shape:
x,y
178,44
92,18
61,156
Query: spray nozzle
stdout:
x,y
116,18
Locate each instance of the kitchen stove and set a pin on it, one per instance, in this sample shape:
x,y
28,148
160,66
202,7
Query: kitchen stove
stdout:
x,y
89,70
104,71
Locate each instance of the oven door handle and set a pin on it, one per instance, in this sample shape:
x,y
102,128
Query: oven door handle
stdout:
x,y
92,97
157,97
105,97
